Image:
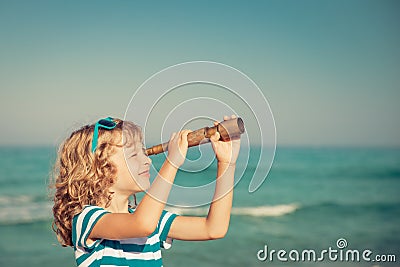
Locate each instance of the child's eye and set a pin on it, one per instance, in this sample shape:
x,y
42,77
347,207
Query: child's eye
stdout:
x,y
133,155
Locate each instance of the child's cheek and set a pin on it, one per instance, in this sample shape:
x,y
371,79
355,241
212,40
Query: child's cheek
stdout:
x,y
133,167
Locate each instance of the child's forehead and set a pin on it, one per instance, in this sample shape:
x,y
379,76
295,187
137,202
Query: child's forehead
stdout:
x,y
134,146
131,140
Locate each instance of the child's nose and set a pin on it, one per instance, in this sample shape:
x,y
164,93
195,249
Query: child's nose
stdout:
x,y
148,160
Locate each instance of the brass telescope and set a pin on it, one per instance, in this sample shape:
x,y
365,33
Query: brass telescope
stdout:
x,y
229,129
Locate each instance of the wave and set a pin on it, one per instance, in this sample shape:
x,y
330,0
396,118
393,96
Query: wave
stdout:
x,y
12,200
352,209
328,204
257,211
41,211
266,211
20,210
24,212
24,209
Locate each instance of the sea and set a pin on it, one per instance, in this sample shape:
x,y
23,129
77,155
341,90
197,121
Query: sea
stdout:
x,y
331,202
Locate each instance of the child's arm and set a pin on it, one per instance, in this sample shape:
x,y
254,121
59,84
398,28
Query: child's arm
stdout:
x,y
144,220
216,224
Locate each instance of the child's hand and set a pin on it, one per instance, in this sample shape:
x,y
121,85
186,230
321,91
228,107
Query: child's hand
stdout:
x,y
177,148
226,152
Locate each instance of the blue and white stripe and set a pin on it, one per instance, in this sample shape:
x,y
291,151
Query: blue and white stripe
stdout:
x,y
144,251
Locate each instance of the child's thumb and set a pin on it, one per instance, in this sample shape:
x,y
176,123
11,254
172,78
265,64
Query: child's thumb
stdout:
x,y
215,137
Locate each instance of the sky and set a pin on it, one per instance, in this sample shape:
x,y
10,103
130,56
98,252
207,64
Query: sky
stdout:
x,y
330,70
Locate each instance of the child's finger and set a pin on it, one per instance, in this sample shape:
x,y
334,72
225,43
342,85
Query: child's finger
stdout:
x,y
183,136
172,136
215,137
184,133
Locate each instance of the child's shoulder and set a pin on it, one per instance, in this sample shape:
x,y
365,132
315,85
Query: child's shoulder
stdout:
x,y
93,208
89,213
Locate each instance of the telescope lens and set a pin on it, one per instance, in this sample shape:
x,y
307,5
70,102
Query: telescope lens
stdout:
x,y
240,125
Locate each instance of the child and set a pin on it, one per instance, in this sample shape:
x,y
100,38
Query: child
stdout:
x,y
99,167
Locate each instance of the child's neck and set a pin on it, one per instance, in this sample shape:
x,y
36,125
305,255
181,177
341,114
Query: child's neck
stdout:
x,y
119,204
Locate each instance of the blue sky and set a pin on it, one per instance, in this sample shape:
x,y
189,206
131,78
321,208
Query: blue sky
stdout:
x,y
329,69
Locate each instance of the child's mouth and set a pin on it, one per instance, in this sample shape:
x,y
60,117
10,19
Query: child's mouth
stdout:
x,y
146,173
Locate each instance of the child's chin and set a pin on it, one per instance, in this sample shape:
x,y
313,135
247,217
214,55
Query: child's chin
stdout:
x,y
144,186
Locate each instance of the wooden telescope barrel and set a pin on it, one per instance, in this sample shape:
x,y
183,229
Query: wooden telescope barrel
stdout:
x,y
229,129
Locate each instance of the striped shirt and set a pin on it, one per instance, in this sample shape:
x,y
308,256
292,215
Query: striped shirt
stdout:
x,y
144,251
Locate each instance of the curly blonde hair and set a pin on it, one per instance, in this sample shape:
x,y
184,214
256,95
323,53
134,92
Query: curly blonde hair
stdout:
x,y
81,177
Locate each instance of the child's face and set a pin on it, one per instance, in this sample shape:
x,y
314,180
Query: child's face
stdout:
x,y
137,177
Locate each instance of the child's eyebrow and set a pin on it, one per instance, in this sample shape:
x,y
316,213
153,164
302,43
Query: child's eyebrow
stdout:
x,y
130,150
135,148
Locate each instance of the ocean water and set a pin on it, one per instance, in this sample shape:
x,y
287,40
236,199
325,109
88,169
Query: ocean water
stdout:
x,y
311,198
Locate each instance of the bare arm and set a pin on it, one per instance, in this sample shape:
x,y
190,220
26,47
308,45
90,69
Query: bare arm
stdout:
x,y
216,224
